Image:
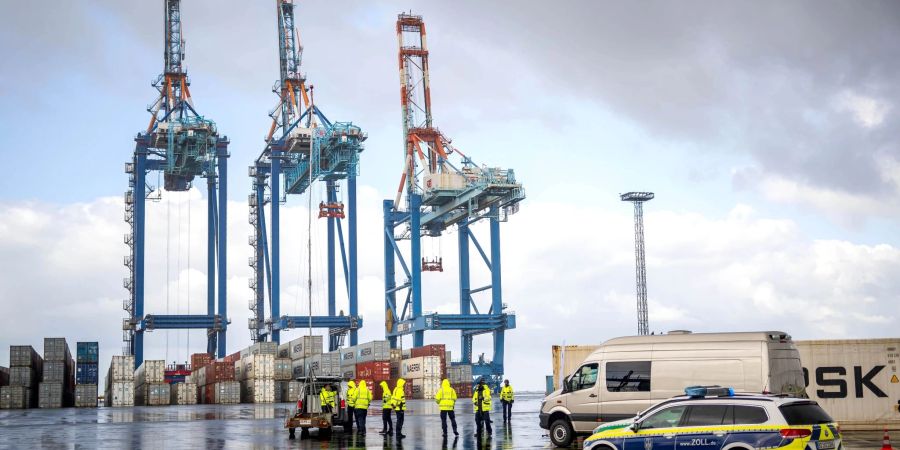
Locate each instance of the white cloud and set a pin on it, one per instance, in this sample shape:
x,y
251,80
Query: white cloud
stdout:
x,y
868,112
61,271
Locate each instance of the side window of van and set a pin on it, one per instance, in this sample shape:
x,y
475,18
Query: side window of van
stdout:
x,y
584,378
628,376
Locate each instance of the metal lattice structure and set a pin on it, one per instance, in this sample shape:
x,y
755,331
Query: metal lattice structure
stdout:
x,y
302,147
438,195
638,198
182,145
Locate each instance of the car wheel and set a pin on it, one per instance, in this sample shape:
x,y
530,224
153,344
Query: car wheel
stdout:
x,y
561,433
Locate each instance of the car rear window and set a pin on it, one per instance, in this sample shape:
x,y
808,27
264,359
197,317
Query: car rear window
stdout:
x,y
804,414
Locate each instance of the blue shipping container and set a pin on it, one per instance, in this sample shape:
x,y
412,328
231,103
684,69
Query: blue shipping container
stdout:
x,y
87,373
88,352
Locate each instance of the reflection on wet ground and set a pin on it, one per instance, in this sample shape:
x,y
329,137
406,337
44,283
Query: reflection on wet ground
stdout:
x,y
260,426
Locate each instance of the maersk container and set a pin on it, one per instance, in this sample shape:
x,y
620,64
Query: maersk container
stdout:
x,y
24,356
87,352
292,392
258,390
121,368
298,368
151,371
421,367
282,369
284,351
260,348
16,397
120,394
856,381
373,351
56,349
183,394
86,396
460,373
305,347
425,388
153,394
348,372
52,395
326,365
253,367
224,393
348,356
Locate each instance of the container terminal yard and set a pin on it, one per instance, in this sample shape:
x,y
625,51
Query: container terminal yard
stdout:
x,y
381,308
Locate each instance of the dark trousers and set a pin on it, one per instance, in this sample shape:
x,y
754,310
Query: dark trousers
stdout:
x,y
387,425
444,415
483,417
507,410
400,415
351,417
361,419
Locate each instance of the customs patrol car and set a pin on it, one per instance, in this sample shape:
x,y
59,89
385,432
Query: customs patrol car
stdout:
x,y
714,418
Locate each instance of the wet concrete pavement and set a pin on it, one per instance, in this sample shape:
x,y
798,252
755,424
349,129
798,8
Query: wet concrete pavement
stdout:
x,y
261,426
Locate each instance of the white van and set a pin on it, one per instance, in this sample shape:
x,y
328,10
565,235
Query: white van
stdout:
x,y
636,372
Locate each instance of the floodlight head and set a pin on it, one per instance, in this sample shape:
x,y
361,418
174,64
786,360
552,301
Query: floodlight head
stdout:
x,y
636,196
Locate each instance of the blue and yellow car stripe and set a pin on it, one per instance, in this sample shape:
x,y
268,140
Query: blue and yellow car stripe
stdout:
x,y
758,436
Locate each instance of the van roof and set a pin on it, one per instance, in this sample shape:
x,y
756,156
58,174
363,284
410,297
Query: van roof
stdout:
x,y
701,337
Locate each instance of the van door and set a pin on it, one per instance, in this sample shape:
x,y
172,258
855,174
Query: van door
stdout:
x,y
626,389
582,398
785,370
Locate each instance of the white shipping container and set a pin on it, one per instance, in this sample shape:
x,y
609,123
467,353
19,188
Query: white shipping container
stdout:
x,y
153,394
348,373
424,388
280,390
226,393
856,381
86,396
298,368
306,346
421,367
122,368
121,393
327,365
282,369
151,371
183,394
284,350
373,351
460,373
348,356
258,390
259,366
292,392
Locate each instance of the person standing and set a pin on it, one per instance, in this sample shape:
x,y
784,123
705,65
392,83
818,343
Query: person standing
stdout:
x,y
351,403
387,425
363,398
398,399
326,399
446,400
482,401
507,397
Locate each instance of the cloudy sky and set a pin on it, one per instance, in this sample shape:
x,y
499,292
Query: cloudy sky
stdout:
x,y
764,128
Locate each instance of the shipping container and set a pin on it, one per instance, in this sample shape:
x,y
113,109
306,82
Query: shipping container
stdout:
x,y
421,367
405,353
280,391
282,370
183,394
298,368
87,373
439,350
86,396
460,373
259,366
373,351
56,349
232,358
258,390
375,387
260,348
425,388
153,394
121,368
56,371
23,376
4,376
463,390
24,356
284,351
200,360
567,359
217,372
348,356
52,395
374,370
348,372
152,371
87,352
305,347
292,392
856,381
326,365
120,393
16,397
223,393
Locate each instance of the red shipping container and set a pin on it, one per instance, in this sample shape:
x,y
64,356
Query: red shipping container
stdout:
x,y
200,360
219,371
374,370
375,388
463,390
232,358
432,350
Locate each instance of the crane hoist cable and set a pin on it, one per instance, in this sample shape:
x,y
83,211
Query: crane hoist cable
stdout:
x,y
168,245
187,347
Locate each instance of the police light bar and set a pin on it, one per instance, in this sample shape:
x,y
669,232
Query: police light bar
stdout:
x,y
708,391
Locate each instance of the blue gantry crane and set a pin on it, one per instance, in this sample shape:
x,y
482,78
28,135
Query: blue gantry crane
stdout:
x,y
302,147
181,144
439,195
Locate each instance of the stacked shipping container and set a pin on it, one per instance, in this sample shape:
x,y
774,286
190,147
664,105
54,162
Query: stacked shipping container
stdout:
x,y
150,387
25,368
57,388
87,374
256,373
215,383
120,382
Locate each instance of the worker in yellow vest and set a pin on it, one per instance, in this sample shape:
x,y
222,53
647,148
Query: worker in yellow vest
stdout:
x,y
507,397
481,399
398,400
326,399
363,398
387,425
446,400
351,403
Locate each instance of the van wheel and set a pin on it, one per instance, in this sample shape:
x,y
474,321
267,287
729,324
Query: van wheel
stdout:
x,y
561,433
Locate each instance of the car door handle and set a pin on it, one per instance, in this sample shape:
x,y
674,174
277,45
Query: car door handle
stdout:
x,y
719,434
669,435
593,396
